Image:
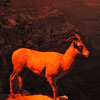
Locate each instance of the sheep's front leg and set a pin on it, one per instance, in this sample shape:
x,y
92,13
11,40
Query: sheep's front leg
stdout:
x,y
52,83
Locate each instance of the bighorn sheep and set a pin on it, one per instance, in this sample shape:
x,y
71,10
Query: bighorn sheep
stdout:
x,y
52,64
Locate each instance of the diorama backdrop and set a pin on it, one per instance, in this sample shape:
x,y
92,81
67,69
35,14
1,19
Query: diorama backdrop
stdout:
x,y
44,25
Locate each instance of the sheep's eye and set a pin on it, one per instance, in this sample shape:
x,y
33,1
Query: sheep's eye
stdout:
x,y
80,48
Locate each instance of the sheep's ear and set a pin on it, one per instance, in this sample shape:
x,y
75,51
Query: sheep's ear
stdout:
x,y
78,37
75,42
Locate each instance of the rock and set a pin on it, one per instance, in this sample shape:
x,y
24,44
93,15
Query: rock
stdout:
x,y
35,97
30,97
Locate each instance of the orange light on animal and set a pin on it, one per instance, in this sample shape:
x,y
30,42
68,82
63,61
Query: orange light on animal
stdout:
x,y
54,64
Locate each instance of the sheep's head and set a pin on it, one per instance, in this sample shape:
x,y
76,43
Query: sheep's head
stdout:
x,y
79,45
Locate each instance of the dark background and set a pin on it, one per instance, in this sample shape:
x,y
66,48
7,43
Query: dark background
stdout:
x,y
44,25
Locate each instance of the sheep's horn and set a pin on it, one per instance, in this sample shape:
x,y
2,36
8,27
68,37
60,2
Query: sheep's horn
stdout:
x,y
72,37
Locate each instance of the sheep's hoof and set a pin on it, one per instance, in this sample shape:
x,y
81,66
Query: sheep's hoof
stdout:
x,y
14,95
62,98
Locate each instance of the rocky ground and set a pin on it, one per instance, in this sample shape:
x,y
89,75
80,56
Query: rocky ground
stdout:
x,y
36,97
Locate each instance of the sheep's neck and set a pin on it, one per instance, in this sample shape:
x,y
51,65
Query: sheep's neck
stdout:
x,y
69,57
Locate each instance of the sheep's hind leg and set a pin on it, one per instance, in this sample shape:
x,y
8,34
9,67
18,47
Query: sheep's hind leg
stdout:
x,y
15,83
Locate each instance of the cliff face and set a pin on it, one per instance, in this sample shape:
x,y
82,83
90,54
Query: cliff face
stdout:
x,y
41,29
82,13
